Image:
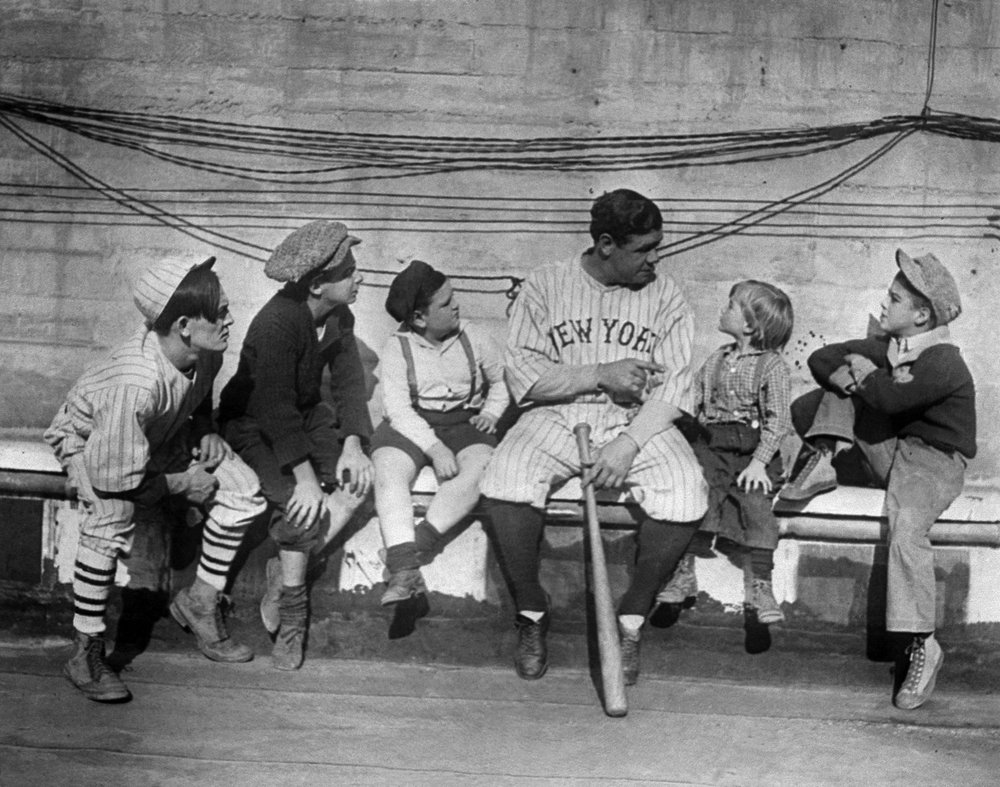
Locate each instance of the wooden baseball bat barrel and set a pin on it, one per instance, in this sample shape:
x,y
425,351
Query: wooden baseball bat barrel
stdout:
x,y
608,645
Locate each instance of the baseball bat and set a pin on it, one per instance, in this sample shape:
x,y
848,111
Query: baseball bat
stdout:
x,y
608,646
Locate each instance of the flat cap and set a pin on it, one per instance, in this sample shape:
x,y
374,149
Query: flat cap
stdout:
x,y
932,280
319,244
157,284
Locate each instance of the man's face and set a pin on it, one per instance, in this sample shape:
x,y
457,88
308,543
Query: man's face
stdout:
x,y
632,263
208,336
900,316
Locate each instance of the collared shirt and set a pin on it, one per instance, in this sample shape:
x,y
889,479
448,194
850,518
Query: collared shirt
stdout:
x,y
905,349
724,392
442,378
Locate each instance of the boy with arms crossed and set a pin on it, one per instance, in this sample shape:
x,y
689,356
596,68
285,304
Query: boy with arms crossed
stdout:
x,y
905,406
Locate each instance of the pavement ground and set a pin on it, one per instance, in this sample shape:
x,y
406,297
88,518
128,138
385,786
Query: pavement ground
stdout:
x,y
444,707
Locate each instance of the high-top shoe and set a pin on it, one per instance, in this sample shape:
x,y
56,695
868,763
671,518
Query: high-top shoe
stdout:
x,y
926,658
532,656
205,621
89,671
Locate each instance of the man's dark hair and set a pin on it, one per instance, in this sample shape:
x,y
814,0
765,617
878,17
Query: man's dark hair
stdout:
x,y
197,295
621,213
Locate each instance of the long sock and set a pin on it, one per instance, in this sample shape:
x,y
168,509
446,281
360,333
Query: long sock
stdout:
x,y
218,550
400,557
426,537
93,577
761,563
516,532
661,546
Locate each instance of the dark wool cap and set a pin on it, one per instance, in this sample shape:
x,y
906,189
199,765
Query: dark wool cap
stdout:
x,y
317,245
406,288
932,280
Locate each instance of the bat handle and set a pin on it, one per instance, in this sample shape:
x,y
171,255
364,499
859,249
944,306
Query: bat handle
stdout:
x,y
582,433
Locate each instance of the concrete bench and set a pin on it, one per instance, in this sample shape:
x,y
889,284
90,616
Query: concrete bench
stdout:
x,y
827,545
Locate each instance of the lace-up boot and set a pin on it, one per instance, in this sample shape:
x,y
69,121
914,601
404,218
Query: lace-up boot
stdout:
x,y
203,617
816,476
630,654
89,671
926,658
532,656
762,599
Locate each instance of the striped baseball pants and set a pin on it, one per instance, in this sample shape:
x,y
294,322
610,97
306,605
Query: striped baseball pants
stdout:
x,y
106,535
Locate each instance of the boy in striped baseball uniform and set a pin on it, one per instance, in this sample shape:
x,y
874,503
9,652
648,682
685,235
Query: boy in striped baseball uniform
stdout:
x,y
136,429
602,339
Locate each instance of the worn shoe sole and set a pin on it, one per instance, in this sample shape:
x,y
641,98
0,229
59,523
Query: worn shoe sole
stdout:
x,y
767,618
795,494
96,694
239,655
914,701
526,676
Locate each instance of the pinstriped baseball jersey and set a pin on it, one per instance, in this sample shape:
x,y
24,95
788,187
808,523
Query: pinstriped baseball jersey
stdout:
x,y
126,409
563,317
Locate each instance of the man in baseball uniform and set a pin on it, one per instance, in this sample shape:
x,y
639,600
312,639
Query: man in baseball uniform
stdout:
x,y
602,339
137,429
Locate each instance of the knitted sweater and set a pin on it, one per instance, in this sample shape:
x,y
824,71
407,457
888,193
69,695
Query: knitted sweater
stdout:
x,y
279,378
933,397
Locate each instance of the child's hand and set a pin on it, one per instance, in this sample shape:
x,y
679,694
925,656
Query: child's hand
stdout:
x,y
443,459
484,423
754,475
860,366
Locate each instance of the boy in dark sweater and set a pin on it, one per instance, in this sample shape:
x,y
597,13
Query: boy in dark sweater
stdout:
x,y
308,453
905,406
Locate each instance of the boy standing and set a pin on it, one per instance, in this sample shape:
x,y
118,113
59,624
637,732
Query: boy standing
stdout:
x,y
905,405
126,436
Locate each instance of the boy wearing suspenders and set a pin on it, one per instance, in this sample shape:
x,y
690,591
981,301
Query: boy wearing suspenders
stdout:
x,y
443,393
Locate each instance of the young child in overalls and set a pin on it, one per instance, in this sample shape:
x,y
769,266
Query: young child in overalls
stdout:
x,y
742,413
443,393
902,408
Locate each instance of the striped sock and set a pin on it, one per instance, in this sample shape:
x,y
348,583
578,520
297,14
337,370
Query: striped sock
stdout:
x,y
218,550
92,581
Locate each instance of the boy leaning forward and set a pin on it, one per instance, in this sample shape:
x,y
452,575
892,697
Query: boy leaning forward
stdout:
x,y
904,407
135,431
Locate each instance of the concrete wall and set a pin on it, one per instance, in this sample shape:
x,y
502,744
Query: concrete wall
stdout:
x,y
514,69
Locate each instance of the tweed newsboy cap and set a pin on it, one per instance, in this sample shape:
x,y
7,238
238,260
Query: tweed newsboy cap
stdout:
x,y
406,289
157,284
319,244
932,280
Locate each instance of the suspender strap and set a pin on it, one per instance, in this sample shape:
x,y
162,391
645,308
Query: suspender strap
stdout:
x,y
471,358
411,373
765,362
